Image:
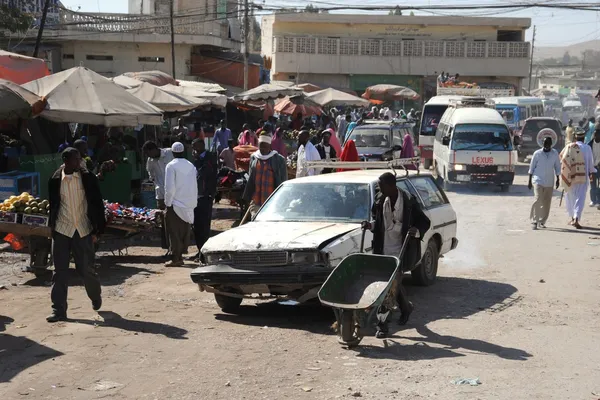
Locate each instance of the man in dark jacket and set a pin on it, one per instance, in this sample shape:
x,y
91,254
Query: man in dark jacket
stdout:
x,y
268,170
206,164
395,215
76,219
326,150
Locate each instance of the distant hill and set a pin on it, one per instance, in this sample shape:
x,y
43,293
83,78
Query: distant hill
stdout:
x,y
574,50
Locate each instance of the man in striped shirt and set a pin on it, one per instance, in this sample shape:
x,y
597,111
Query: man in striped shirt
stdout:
x,y
76,218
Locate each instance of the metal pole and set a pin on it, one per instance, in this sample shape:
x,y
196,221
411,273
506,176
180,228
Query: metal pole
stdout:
x,y
41,29
172,40
246,48
531,61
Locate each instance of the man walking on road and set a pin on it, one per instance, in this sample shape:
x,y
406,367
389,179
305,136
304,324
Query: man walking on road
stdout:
x,y
181,198
222,136
206,165
544,167
595,190
76,219
577,169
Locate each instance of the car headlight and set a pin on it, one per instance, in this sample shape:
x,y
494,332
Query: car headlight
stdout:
x,y
459,167
305,258
505,168
218,258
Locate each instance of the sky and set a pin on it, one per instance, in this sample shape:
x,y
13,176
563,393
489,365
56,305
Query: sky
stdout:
x,y
554,27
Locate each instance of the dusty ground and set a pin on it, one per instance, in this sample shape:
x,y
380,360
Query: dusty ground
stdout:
x,y
513,307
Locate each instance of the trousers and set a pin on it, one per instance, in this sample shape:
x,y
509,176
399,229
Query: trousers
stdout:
x,y
202,220
595,189
83,253
540,210
179,234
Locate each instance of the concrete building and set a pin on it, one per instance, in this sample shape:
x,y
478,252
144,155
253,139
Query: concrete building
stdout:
x,y
213,8
356,51
581,83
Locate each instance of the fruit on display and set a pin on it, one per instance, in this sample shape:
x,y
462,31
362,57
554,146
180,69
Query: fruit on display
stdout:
x,y
27,204
294,134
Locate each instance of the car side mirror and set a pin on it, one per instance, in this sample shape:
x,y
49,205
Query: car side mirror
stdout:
x,y
446,140
397,148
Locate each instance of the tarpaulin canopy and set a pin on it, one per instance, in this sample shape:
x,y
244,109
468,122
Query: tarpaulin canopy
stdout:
x,y
333,98
126,82
309,87
21,69
297,105
208,98
204,86
18,102
268,91
165,100
390,93
81,95
157,78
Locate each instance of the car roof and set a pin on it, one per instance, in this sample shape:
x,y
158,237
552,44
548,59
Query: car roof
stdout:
x,y
442,100
358,176
475,115
542,118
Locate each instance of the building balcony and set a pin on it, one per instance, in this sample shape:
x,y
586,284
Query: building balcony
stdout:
x,y
321,55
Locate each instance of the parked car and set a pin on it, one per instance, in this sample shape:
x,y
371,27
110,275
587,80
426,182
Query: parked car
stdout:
x,y
534,132
306,228
380,140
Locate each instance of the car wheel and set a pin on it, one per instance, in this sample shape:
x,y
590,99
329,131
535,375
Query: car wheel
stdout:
x,y
427,163
228,304
504,188
426,273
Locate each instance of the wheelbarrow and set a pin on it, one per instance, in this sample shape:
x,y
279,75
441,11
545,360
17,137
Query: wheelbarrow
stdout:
x,y
357,288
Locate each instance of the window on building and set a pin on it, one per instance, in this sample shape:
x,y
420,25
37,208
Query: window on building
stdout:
x,y
98,58
475,49
392,48
509,36
285,44
328,45
305,45
349,47
68,57
370,47
455,49
497,49
434,48
412,48
518,50
151,59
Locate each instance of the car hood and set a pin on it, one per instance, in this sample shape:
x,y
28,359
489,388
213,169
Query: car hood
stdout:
x,y
268,236
375,151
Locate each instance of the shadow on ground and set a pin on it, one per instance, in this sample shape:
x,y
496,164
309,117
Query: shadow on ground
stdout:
x,y
114,320
109,275
18,353
449,298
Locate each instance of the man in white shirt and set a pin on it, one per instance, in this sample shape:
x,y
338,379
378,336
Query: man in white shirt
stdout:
x,y
181,197
594,189
306,152
157,163
544,170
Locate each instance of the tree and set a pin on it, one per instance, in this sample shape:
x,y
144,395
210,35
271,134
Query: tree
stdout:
x,y
566,59
14,20
311,9
256,46
396,11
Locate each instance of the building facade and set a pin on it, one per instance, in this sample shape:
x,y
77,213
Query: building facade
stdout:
x,y
356,51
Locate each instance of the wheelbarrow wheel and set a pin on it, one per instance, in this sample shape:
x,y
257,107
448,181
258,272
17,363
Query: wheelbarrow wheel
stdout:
x,y
349,329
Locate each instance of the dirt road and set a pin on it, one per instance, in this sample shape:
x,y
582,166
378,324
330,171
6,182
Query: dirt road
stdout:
x,y
516,308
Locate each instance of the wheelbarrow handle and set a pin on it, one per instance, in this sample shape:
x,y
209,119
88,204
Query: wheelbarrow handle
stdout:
x,y
362,240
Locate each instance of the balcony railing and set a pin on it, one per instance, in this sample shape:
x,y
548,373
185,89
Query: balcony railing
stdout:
x,y
400,48
130,23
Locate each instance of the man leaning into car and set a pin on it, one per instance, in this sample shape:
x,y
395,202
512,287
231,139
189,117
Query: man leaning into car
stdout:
x,y
396,214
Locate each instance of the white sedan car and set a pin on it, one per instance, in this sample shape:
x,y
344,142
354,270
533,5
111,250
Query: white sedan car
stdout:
x,y
306,228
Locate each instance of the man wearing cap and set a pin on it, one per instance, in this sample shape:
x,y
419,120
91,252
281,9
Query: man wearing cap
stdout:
x,y
577,169
267,171
181,197
306,152
326,150
222,136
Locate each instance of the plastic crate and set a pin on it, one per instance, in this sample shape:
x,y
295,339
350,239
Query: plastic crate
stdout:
x,y
35,220
16,182
8,217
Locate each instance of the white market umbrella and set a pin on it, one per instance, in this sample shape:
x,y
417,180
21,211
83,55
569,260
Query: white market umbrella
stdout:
x,y
163,99
204,86
268,91
17,102
333,98
126,82
207,99
80,95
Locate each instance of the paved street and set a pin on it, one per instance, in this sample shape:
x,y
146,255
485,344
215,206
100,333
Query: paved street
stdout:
x,y
513,307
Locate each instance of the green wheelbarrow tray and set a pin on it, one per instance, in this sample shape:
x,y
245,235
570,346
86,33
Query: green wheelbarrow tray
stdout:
x,y
359,282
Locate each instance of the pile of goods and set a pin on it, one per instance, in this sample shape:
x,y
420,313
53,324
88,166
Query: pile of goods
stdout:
x,y
294,134
242,155
117,213
25,204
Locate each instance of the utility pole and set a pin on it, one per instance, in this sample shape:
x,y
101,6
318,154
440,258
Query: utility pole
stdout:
x,y
246,26
531,61
172,40
41,29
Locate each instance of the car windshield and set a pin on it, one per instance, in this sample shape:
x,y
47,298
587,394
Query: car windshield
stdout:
x,y
371,137
317,202
533,127
481,137
507,113
431,118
